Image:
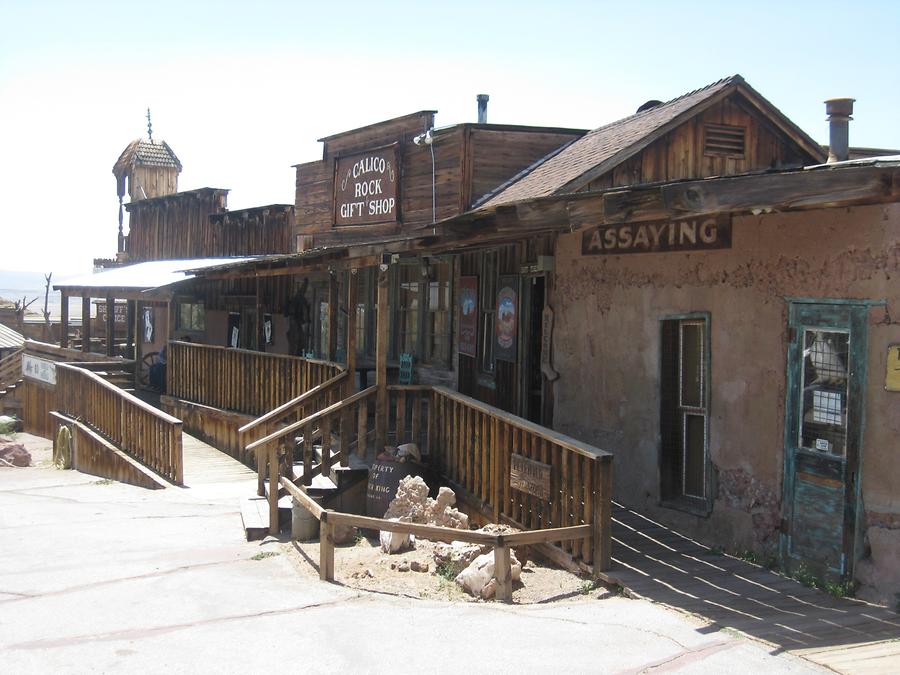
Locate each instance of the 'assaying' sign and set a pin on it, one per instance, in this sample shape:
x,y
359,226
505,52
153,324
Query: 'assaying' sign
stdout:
x,y
365,187
689,234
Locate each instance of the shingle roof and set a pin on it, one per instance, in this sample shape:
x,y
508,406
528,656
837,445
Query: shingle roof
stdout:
x,y
10,339
601,145
146,153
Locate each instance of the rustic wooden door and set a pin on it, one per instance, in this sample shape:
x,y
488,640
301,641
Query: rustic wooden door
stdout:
x,y
823,437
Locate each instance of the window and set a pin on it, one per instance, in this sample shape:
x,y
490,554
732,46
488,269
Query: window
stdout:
x,y
422,311
191,316
823,414
437,325
407,310
684,411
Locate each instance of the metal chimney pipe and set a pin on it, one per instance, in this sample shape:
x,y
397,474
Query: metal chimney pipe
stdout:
x,y
839,111
482,108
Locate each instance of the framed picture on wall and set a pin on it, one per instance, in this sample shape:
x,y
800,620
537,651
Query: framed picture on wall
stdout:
x,y
468,315
268,329
506,319
148,325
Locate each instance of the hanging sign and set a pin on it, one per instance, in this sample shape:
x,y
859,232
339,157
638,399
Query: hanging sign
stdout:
x,y
365,187
468,315
507,318
233,337
120,313
892,376
547,344
148,325
268,329
658,236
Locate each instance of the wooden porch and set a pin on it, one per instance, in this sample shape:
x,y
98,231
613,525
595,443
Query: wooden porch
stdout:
x,y
657,563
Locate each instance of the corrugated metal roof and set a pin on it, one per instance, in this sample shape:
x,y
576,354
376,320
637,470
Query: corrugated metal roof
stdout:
x,y
10,339
145,275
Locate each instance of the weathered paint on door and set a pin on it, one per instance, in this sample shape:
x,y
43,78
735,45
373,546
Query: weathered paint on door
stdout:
x,y
826,374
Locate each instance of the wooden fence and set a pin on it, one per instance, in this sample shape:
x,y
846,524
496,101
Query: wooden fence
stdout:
x,y
474,447
11,368
139,429
244,381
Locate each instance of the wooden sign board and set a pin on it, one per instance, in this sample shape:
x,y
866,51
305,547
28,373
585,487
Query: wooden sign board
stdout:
x,y
384,478
120,313
39,369
659,236
365,187
527,475
468,315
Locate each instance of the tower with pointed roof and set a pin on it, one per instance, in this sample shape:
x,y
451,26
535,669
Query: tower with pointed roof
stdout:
x,y
146,168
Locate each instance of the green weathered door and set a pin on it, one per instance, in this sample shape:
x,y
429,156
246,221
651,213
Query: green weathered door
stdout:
x,y
823,436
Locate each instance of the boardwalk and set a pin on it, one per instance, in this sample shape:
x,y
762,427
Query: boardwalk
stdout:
x,y
206,468
656,563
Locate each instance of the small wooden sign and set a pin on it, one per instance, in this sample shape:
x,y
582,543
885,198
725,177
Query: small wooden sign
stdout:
x,y
529,476
39,369
892,376
365,187
658,236
384,478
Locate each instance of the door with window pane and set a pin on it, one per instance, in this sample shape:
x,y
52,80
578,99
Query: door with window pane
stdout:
x,y
826,358
684,412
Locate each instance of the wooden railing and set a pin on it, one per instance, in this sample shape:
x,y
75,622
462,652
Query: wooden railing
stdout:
x,y
317,398
240,380
471,444
145,433
340,427
11,368
502,543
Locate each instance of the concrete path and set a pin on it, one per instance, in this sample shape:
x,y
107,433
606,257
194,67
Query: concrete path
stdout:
x,y
104,577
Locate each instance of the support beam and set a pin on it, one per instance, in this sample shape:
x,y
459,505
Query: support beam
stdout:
x,y
260,328
130,314
64,321
601,518
503,574
381,357
86,323
352,283
110,325
333,313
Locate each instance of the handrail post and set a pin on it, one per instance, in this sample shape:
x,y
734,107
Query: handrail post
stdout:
x,y
381,350
601,518
274,527
502,572
260,473
326,549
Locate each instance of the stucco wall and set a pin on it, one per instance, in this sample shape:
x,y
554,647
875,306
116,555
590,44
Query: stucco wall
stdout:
x,y
606,347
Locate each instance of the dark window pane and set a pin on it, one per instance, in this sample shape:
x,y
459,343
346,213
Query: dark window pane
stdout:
x,y
692,364
694,455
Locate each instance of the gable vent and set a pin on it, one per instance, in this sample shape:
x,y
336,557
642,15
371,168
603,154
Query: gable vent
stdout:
x,y
721,139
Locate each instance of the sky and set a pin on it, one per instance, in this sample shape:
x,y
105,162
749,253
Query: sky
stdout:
x,y
241,91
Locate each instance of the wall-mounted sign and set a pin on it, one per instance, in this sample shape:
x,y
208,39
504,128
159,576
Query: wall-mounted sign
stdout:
x,y
507,318
120,313
39,369
547,344
468,315
365,187
148,325
656,236
233,336
892,376
529,476
268,329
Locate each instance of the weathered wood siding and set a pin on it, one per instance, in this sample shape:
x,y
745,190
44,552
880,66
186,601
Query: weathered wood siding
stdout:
x,y
680,154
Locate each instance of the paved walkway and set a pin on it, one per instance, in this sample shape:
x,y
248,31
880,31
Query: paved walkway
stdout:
x,y
659,564
205,465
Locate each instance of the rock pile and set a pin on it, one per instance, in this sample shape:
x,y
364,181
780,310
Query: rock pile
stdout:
x,y
413,505
13,454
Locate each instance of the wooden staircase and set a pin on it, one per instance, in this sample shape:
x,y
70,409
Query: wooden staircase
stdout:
x,y
10,381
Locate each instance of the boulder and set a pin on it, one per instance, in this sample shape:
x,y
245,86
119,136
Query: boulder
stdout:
x,y
394,542
413,505
455,557
476,578
14,454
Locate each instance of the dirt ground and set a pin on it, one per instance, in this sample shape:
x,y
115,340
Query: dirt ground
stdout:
x,y
362,565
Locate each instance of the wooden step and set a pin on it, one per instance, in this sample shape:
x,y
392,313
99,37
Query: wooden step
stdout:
x,y
255,516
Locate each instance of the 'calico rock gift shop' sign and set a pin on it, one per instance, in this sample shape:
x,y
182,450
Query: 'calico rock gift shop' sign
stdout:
x,y
365,188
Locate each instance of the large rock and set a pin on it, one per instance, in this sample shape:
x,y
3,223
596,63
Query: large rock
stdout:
x,y
15,454
413,505
477,578
394,542
455,557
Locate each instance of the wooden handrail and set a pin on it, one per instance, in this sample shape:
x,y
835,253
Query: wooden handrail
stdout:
x,y
315,417
285,408
132,400
11,367
252,352
525,425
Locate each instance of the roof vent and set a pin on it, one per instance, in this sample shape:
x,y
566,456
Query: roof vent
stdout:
x,y
482,108
649,105
839,111
723,139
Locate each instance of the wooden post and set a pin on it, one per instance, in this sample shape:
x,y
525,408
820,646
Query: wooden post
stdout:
x,y
333,311
326,549
352,281
503,573
260,329
261,474
381,355
601,518
85,323
64,321
130,313
110,326
274,526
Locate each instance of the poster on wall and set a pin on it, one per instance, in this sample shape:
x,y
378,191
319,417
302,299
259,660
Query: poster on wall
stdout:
x,y
507,318
232,339
468,315
148,325
268,329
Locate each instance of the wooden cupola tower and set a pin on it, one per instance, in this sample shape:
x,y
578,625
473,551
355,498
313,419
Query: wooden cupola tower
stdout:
x,y
146,168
